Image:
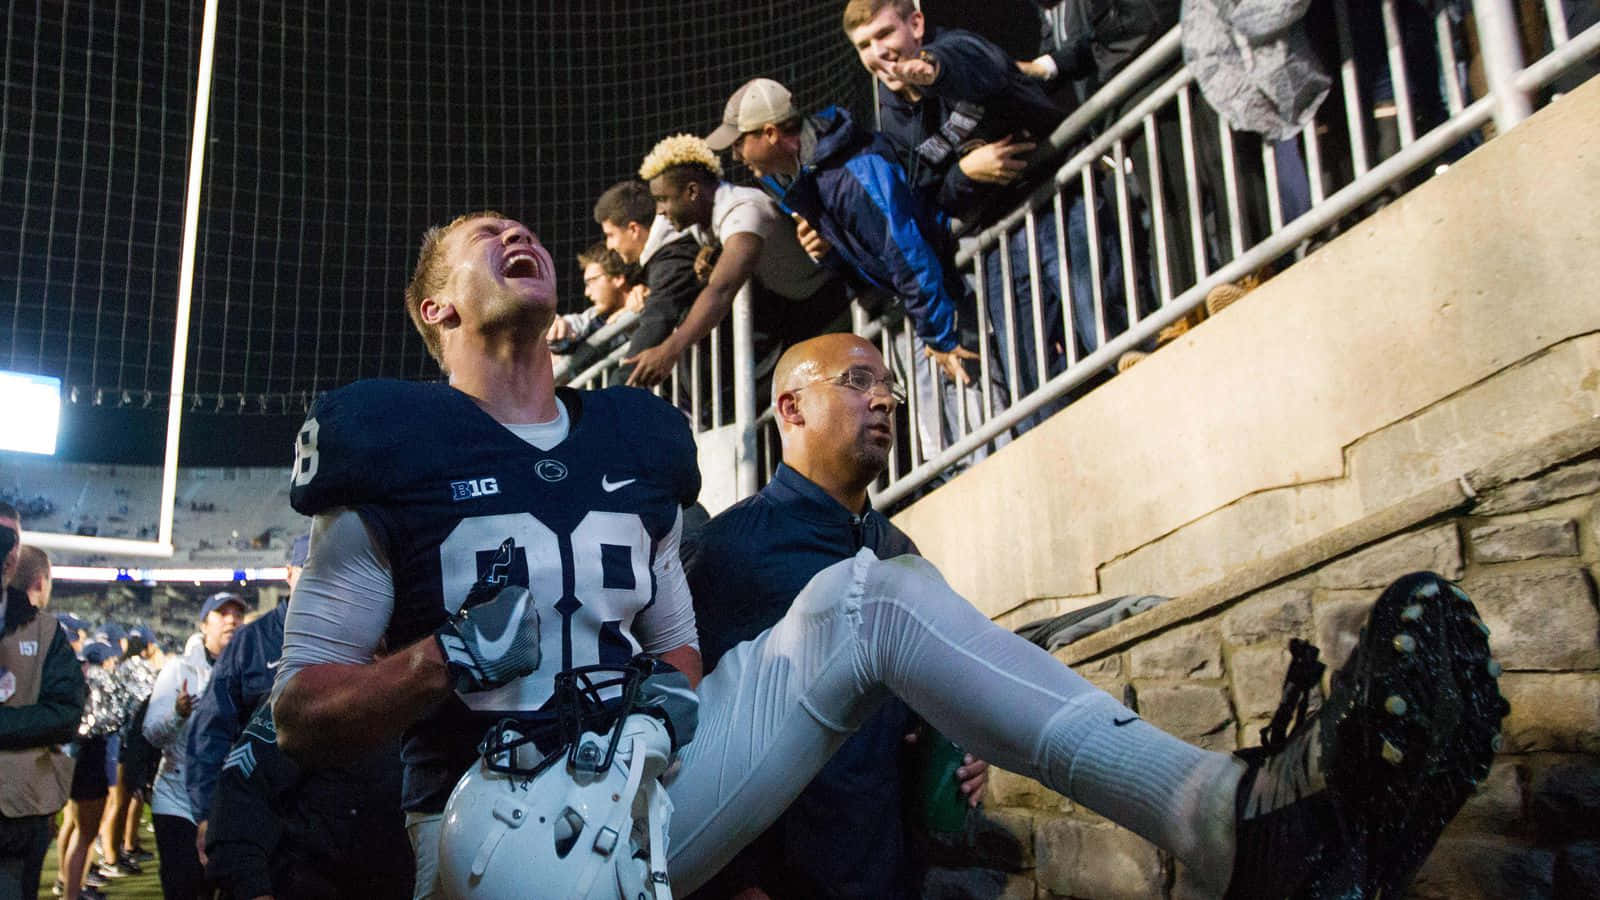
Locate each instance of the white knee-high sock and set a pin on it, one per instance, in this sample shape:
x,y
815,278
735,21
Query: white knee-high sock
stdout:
x,y
1010,702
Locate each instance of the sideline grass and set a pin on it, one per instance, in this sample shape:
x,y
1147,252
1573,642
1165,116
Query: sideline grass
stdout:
x,y
134,887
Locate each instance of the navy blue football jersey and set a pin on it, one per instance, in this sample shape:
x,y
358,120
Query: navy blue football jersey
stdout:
x,y
443,487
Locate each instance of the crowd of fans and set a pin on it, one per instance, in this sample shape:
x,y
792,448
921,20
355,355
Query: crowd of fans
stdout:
x,y
962,141
118,723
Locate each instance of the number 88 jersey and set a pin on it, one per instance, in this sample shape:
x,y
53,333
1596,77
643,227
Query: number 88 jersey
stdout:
x,y
442,487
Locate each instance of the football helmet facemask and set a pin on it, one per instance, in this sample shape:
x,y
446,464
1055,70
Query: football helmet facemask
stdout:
x,y
588,819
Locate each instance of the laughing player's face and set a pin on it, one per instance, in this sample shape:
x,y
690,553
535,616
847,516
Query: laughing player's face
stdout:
x,y
499,273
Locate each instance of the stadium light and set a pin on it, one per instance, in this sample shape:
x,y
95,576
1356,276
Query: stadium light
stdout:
x,y
30,412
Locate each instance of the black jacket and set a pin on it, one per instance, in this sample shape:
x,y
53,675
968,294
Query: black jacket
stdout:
x,y
669,274
844,835
325,833
1105,35
979,96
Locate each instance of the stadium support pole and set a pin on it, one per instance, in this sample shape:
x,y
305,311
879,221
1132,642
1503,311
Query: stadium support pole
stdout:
x,y
191,231
744,392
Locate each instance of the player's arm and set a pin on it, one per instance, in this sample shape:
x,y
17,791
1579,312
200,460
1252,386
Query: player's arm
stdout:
x,y
666,628
334,712
685,659
734,267
332,699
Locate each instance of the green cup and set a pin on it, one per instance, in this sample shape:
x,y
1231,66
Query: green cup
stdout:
x,y
938,794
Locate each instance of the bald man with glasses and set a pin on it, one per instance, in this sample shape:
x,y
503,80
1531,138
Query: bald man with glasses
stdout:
x,y
834,401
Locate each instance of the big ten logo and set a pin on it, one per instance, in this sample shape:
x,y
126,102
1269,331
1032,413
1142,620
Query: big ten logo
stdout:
x,y
473,488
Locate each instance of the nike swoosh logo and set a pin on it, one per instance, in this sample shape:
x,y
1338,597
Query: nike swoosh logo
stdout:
x,y
607,485
274,663
1121,722
497,648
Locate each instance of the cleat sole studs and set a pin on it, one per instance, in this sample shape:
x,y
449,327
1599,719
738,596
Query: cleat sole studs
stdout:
x,y
1411,613
1478,623
1496,742
1405,643
1396,705
1494,669
1392,754
1429,589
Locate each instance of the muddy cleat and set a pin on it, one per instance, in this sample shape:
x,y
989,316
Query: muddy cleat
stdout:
x,y
1357,792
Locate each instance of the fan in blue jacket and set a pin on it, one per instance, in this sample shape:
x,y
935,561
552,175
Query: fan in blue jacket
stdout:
x,y
848,186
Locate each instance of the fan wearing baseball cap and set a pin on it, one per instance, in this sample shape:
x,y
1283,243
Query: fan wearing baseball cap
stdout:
x,y
848,186
241,678
792,298
167,726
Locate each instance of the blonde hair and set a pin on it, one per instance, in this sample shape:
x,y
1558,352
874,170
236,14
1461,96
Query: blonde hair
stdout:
x,y
429,277
860,12
679,150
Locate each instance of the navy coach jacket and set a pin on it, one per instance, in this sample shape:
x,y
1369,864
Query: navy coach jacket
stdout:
x,y
844,835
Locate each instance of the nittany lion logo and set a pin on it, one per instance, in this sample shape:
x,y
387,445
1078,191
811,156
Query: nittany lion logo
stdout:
x,y
550,469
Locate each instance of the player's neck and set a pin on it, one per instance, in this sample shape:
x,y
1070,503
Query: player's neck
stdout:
x,y
514,388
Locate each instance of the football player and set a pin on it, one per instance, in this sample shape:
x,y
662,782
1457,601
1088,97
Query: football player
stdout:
x,y
497,532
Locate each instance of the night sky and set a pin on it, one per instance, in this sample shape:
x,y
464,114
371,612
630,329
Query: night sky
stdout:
x,y
336,136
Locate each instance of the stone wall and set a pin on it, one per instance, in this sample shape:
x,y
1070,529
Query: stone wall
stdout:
x,y
1209,669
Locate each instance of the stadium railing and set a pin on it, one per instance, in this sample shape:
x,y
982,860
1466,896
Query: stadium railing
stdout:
x,y
1339,156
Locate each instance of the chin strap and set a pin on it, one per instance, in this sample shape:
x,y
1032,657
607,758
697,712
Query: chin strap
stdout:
x,y
659,814
649,751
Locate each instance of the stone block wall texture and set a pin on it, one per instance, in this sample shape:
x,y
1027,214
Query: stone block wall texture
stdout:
x,y
1527,552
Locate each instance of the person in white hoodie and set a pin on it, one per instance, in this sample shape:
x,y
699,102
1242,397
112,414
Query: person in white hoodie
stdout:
x,y
166,725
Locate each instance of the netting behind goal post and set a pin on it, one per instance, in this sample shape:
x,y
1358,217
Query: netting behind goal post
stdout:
x,y
336,133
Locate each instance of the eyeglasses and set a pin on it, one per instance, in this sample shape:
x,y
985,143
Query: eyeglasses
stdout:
x,y
863,381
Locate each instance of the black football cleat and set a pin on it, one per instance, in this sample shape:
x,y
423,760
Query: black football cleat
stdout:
x,y
1349,803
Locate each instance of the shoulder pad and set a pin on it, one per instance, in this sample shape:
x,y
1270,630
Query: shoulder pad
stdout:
x,y
661,434
351,443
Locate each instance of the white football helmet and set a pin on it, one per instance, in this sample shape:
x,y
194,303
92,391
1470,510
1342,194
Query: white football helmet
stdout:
x,y
586,821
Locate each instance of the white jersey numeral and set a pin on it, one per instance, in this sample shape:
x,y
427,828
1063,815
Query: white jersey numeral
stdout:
x,y
305,454
598,604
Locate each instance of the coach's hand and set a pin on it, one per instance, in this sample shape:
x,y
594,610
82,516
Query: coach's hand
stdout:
x,y
974,778
493,642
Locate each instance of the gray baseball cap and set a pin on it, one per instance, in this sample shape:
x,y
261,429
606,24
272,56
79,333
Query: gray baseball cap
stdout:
x,y
756,103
